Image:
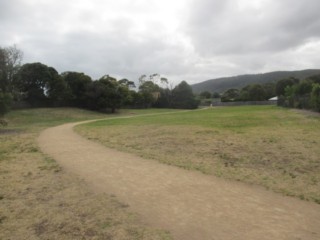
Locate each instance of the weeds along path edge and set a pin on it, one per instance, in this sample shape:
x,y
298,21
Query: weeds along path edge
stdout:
x,y
187,203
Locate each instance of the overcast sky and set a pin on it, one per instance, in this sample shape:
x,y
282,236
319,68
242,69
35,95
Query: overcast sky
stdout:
x,y
192,40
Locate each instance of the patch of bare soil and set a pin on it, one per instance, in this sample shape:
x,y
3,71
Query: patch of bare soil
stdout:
x,y
189,204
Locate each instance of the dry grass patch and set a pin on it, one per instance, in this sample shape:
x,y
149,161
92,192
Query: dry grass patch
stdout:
x,y
278,149
38,200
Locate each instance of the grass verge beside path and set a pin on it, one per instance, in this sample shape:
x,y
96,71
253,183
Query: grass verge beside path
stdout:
x,y
266,145
38,200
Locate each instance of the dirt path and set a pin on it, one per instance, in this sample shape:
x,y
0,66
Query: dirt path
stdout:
x,y
189,204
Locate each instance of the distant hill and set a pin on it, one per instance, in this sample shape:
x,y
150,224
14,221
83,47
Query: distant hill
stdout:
x,y
222,84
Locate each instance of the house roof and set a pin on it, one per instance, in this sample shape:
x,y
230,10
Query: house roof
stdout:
x,y
273,99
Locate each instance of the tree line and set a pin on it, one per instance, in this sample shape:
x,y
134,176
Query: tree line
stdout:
x,y
251,92
39,85
291,92
303,94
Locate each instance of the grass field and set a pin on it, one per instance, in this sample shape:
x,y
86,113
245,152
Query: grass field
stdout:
x,y
265,145
38,200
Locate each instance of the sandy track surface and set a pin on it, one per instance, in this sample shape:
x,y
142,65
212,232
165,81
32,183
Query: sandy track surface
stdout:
x,y
188,204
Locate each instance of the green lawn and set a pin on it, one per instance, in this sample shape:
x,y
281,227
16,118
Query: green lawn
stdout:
x,y
265,145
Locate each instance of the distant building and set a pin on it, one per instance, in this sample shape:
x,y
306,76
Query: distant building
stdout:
x,y
273,99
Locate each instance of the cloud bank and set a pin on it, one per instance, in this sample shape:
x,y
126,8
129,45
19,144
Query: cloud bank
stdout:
x,y
182,40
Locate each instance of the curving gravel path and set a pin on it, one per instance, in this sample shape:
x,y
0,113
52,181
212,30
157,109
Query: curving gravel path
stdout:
x,y
187,203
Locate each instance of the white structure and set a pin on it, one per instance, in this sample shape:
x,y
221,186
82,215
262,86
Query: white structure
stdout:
x,y
273,99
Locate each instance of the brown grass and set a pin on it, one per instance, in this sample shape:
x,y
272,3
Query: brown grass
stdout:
x,y
284,159
38,200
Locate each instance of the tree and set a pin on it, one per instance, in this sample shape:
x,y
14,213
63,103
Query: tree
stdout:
x,y
149,87
230,95
116,92
256,93
135,100
182,97
252,92
150,92
314,78
164,100
205,95
126,82
244,94
106,93
315,96
155,90
3,70
289,93
35,82
5,103
283,83
76,84
56,89
270,90
303,87
10,60
299,94
96,96
216,95
155,78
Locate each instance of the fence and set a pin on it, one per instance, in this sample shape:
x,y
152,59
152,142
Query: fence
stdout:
x,y
225,104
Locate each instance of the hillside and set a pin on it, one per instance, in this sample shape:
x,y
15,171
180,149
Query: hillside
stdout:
x,y
222,84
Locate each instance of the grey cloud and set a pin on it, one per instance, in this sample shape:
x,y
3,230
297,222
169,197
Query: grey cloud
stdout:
x,y
116,53
277,26
217,39
10,9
